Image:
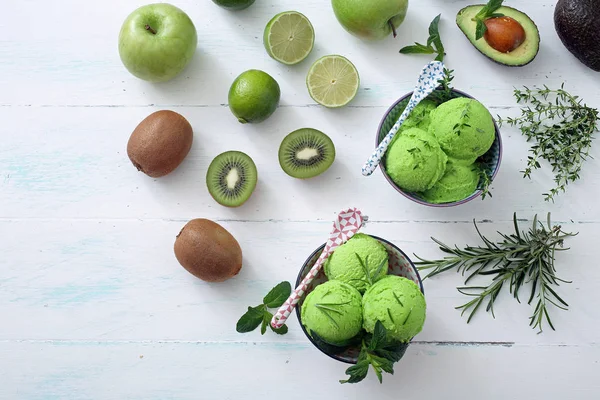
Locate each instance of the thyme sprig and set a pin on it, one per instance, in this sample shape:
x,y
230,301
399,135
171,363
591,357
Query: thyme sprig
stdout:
x,y
446,85
519,259
561,127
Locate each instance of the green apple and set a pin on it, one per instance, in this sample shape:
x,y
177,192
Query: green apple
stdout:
x,y
157,41
370,19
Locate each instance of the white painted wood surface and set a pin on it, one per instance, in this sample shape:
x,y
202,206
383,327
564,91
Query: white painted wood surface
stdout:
x,y
93,303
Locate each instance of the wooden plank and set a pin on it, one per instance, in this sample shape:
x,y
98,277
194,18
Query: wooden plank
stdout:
x,y
175,370
119,280
76,61
78,165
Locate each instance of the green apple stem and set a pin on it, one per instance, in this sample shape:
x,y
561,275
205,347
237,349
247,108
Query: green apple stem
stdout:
x,y
393,27
149,28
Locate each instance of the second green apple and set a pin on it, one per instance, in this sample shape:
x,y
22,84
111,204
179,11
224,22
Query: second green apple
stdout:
x,y
370,19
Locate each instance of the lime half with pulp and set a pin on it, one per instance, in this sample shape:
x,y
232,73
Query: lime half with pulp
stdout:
x,y
289,37
332,81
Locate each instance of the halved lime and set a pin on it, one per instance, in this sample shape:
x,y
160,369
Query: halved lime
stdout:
x,y
332,81
289,37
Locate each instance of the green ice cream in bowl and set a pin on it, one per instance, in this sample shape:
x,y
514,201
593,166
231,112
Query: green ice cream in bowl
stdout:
x,y
365,280
445,151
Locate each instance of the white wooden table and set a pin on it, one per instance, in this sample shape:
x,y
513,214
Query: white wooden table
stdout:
x,y
93,304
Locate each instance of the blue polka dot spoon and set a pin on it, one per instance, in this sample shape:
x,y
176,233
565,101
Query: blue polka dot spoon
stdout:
x,y
427,83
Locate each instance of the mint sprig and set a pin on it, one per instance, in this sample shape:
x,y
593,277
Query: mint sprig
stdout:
x,y
378,352
434,42
260,315
489,11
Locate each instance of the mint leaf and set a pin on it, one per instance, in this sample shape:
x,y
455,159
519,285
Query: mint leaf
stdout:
x,y
493,5
385,364
434,42
434,29
263,327
392,351
377,370
266,319
278,295
417,49
280,331
489,11
250,320
480,29
357,372
379,335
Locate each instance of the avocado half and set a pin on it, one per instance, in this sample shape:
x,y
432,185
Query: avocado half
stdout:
x,y
519,57
576,23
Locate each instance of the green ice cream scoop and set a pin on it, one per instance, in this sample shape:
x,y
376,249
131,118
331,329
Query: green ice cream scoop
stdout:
x,y
464,128
458,183
398,303
420,116
415,160
333,310
348,262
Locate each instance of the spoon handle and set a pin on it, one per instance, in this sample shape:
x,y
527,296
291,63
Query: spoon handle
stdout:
x,y
346,224
377,155
426,84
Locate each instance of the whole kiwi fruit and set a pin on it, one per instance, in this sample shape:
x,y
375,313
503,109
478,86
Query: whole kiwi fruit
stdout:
x,y
160,143
208,251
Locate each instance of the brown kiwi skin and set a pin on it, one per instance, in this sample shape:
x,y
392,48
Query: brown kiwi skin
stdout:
x,y
208,251
160,143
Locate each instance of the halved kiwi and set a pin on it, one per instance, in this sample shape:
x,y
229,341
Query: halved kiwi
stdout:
x,y
306,153
231,178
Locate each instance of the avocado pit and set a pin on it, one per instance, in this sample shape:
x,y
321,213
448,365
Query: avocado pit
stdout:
x,y
504,34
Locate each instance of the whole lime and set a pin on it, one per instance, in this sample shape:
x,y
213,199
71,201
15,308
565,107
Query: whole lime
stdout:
x,y
253,96
234,4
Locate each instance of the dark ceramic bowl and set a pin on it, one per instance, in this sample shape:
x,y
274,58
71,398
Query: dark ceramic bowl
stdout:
x,y
490,160
399,264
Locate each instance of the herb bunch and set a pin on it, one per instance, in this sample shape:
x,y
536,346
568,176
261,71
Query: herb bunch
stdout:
x,y
489,11
260,315
519,259
434,42
377,352
562,129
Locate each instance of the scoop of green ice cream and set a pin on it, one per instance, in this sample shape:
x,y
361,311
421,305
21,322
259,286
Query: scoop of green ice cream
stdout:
x,y
464,128
415,160
420,116
346,262
459,182
334,311
398,303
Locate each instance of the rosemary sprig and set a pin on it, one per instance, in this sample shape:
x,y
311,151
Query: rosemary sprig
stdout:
x,y
562,129
519,259
328,308
364,264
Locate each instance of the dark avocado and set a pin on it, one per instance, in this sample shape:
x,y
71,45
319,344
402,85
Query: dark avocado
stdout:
x,y
577,23
521,54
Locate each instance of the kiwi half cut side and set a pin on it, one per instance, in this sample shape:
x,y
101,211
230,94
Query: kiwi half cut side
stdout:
x,y
306,153
231,178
